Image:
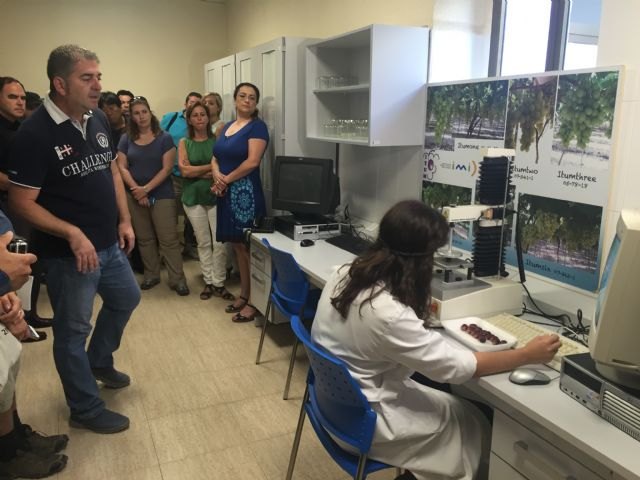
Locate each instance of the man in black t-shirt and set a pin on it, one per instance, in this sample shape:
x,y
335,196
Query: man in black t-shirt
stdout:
x,y
112,107
12,105
12,109
64,181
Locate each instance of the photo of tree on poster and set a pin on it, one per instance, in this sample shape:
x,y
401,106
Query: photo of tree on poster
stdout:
x,y
566,233
470,111
584,120
438,195
530,115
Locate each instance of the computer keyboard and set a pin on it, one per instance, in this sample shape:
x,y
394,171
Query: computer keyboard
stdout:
x,y
350,243
524,331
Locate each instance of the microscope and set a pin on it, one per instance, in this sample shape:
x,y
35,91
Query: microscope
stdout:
x,y
478,286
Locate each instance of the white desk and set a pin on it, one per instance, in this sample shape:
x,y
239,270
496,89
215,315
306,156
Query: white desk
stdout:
x,y
544,410
317,261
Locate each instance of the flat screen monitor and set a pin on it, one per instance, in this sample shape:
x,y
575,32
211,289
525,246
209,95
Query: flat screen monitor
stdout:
x,y
306,187
614,340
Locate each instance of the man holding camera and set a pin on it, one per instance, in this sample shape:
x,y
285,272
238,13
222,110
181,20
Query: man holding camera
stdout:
x,y
23,452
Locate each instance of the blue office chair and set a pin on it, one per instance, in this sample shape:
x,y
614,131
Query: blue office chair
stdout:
x,y
291,294
335,404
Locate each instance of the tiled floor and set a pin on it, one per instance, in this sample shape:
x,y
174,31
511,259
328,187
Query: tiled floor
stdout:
x,y
200,408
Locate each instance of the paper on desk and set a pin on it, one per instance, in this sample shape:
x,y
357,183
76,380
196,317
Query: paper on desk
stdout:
x,y
24,294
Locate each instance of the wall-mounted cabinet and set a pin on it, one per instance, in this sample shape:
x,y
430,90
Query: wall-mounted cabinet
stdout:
x,y
368,87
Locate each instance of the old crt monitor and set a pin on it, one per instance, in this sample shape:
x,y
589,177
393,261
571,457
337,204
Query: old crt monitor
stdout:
x,y
614,340
306,187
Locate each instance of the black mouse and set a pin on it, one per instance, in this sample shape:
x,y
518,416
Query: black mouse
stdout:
x,y
307,242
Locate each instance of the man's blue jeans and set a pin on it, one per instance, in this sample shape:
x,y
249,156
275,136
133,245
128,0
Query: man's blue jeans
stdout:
x,y
72,295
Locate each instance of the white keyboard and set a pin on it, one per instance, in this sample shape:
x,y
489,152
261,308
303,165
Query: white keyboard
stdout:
x,y
524,331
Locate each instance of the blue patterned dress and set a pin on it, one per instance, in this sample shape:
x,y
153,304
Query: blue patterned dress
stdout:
x,y
244,199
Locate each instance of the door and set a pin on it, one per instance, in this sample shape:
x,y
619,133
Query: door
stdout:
x,y
220,77
263,66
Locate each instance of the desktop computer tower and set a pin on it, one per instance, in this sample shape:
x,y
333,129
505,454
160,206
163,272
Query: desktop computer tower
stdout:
x,y
315,228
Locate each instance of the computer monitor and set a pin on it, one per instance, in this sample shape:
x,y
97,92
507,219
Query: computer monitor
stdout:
x,y
306,187
614,340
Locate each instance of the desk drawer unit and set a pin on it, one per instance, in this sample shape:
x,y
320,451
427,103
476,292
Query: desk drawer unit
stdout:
x,y
260,268
500,470
531,456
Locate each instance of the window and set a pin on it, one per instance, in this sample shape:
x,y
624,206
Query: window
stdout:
x,y
526,34
584,29
529,36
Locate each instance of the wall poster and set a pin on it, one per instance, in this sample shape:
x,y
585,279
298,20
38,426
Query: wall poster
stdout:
x,y
560,125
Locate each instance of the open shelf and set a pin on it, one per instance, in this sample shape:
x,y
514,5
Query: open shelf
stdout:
x,y
388,68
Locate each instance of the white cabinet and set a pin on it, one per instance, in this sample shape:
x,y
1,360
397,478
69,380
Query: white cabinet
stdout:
x,y
220,77
368,87
516,448
260,268
277,69
500,470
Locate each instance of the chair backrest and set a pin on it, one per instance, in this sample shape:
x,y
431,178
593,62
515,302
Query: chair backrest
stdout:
x,y
290,286
335,397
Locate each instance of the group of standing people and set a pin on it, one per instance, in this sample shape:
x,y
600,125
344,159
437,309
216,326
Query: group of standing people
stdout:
x,y
88,201
216,179
65,182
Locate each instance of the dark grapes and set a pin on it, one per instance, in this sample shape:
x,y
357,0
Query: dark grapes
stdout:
x,y
481,335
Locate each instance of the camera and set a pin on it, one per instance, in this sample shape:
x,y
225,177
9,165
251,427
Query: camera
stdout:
x,y
18,245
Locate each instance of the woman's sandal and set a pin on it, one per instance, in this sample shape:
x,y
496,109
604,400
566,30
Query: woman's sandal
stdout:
x,y
207,292
223,293
239,318
233,308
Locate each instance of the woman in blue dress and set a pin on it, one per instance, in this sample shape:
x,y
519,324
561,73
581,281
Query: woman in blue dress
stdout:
x,y
236,181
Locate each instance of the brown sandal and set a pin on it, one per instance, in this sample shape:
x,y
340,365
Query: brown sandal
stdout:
x,y
233,309
239,318
207,292
222,293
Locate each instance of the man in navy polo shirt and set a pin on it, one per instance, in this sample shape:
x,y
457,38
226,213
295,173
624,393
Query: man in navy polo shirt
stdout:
x,y
65,182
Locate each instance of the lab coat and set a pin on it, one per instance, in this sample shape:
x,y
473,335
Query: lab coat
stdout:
x,y
433,434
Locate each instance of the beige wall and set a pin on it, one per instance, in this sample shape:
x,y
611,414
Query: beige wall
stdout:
x,y
155,48
252,22
617,46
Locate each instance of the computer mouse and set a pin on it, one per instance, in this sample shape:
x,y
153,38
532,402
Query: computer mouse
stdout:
x,y
528,376
307,242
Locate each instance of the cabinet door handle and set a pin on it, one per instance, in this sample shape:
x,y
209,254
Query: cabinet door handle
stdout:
x,y
539,462
259,280
257,256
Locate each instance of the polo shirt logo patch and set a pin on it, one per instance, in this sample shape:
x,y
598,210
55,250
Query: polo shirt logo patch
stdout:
x,y
63,151
103,140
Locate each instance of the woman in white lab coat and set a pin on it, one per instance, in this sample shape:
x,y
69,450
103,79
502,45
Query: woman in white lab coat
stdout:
x,y
370,315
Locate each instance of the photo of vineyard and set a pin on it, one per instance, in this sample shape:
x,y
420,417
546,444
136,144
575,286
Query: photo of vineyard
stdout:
x,y
559,231
530,117
584,120
469,111
438,195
